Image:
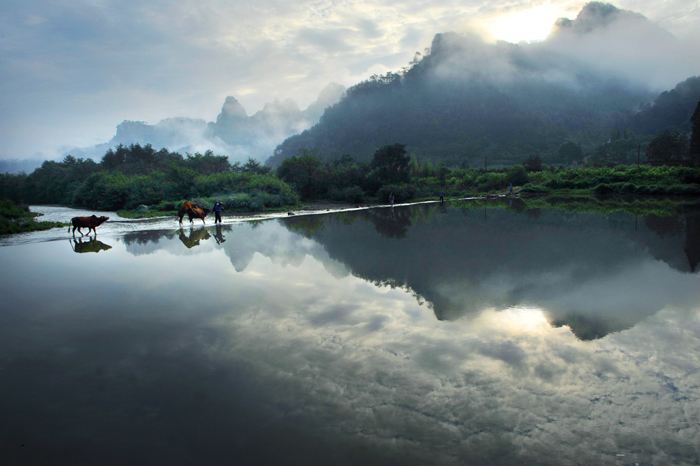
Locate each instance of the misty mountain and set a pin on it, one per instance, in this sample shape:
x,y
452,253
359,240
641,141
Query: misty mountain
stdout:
x,y
19,165
234,133
467,100
670,110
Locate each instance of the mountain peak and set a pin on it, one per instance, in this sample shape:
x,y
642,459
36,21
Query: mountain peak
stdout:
x,y
286,106
594,16
232,108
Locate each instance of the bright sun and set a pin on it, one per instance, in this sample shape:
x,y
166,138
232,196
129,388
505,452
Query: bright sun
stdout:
x,y
529,25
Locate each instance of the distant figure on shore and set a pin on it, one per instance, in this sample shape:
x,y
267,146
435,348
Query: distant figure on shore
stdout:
x,y
91,223
442,197
193,211
391,199
218,208
510,189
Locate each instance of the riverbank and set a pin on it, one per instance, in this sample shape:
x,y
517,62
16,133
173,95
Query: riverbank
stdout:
x,y
320,206
15,218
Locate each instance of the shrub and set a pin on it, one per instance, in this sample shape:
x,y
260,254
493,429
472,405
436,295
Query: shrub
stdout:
x,y
491,181
518,176
351,194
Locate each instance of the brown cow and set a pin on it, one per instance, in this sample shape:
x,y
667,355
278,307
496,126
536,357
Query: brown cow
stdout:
x,y
193,211
91,223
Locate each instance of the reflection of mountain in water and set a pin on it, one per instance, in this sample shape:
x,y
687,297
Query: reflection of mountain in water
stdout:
x,y
595,273
239,242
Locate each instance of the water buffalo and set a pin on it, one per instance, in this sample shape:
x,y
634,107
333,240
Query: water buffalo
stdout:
x,y
193,211
91,223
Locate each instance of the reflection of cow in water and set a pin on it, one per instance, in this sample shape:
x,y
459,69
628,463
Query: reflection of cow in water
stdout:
x,y
91,223
192,210
90,245
194,237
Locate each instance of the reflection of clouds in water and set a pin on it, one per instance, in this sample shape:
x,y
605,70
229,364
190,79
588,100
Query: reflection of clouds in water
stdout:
x,y
498,387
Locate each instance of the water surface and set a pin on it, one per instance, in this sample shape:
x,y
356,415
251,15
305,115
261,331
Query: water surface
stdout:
x,y
413,335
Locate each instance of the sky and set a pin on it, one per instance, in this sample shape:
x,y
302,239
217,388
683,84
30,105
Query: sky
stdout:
x,y
71,70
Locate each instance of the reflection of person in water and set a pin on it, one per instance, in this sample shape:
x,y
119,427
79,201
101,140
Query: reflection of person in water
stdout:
x,y
218,208
194,237
218,236
81,245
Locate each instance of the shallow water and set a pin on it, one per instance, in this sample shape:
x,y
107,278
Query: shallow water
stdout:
x,y
413,335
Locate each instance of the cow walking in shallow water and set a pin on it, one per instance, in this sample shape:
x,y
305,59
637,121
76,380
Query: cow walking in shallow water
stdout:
x,y
91,223
193,211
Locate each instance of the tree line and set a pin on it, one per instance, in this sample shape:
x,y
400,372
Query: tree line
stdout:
x,y
130,176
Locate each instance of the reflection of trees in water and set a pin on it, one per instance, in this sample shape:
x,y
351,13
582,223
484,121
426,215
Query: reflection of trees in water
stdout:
x,y
664,226
194,237
516,204
685,225
146,237
390,223
692,240
82,245
305,225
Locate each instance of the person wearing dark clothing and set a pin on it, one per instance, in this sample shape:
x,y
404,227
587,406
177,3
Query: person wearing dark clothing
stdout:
x,y
218,208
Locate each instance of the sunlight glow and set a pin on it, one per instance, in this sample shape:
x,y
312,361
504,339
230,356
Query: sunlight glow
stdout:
x,y
530,25
518,320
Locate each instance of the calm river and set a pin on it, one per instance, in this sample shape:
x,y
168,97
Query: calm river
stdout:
x,y
416,335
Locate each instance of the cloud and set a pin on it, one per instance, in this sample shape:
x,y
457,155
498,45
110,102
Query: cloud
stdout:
x,y
71,70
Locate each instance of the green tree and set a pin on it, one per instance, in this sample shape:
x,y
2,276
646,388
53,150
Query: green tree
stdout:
x,y
694,150
207,163
305,173
667,148
570,152
390,164
533,163
518,175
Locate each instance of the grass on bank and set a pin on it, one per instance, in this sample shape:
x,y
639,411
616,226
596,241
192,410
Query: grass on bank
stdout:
x,y
15,218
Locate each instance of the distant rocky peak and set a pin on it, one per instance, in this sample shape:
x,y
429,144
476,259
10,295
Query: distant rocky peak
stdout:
x,y
286,106
130,129
594,16
232,108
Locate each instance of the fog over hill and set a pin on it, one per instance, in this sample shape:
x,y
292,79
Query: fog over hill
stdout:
x,y
467,99
234,133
